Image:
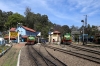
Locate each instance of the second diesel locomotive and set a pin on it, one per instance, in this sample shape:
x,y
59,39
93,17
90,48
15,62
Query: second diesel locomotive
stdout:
x,y
66,39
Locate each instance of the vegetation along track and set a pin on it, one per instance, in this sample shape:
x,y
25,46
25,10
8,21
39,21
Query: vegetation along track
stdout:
x,y
87,57
39,59
85,49
54,59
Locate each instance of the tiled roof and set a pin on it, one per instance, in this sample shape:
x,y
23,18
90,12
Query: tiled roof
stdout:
x,y
56,32
28,29
13,29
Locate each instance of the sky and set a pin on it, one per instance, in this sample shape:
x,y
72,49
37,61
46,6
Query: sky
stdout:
x,y
61,12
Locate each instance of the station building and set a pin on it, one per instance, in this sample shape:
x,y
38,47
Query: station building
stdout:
x,y
54,37
23,33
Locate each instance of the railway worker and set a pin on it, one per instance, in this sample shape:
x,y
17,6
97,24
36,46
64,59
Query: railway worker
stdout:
x,y
53,41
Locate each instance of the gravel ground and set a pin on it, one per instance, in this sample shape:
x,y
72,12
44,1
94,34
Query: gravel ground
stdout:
x,y
42,50
90,46
66,58
82,52
25,59
71,60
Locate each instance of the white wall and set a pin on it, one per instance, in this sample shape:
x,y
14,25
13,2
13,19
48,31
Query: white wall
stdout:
x,y
21,31
56,37
2,41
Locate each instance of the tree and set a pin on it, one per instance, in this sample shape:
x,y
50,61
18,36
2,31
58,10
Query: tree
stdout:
x,y
14,19
3,19
65,29
74,28
57,27
37,22
28,18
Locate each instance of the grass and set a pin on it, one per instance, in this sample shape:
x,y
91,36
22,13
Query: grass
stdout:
x,y
11,59
3,47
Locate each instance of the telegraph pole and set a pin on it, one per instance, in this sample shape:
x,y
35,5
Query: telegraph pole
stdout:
x,y
83,31
86,27
85,21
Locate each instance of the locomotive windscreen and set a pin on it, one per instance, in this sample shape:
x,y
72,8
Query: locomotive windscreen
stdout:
x,y
31,38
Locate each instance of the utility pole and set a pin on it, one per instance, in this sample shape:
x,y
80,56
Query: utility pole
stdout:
x,y
83,31
86,27
85,21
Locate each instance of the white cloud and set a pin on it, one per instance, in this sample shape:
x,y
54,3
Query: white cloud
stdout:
x,y
84,5
72,10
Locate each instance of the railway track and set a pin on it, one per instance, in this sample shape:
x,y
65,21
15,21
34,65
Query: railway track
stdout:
x,y
56,58
40,59
87,57
33,57
52,58
85,49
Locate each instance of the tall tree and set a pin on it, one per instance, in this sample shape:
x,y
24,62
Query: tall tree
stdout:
x,y
57,27
3,19
74,28
65,29
28,17
37,22
14,19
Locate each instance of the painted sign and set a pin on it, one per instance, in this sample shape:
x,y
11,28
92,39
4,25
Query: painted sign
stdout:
x,y
13,34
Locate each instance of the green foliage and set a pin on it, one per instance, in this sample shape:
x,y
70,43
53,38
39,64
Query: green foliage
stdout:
x,y
37,22
65,29
14,19
3,19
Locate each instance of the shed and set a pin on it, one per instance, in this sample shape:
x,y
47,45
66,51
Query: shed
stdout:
x,y
55,37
